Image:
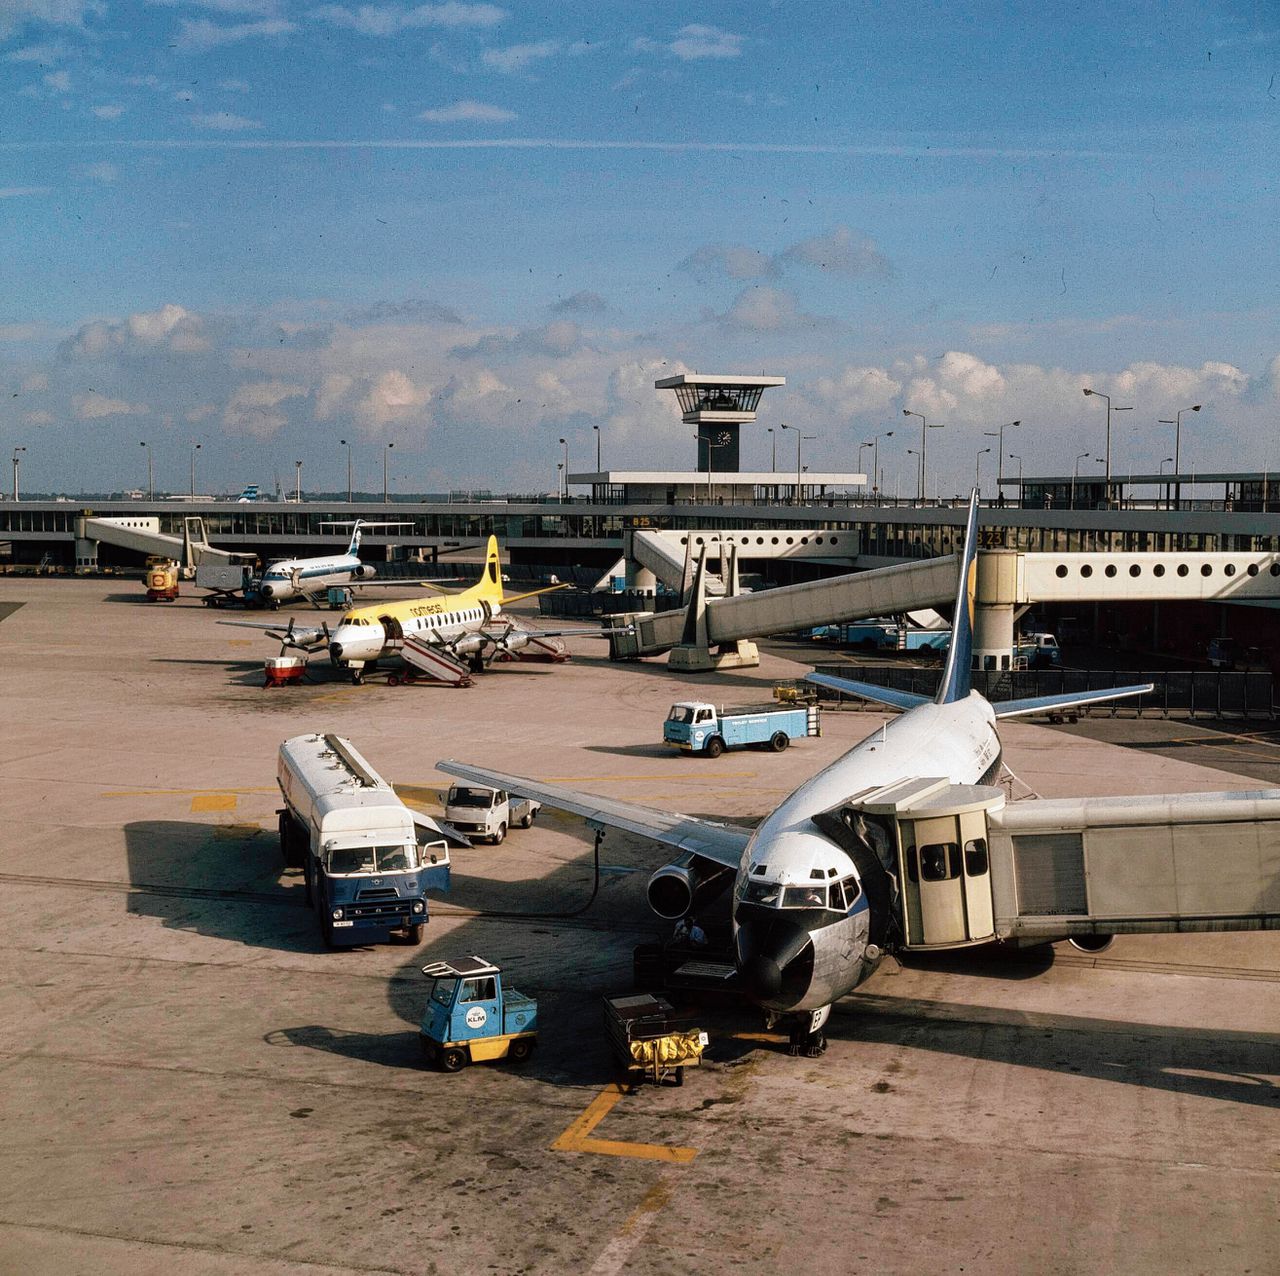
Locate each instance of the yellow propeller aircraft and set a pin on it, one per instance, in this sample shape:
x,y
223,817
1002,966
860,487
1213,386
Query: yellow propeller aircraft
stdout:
x,y
446,638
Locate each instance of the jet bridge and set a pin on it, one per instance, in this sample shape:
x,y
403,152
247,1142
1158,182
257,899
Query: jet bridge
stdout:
x,y
143,535
723,622
967,867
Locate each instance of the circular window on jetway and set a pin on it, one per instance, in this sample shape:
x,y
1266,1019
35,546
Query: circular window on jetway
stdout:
x,y
1060,571
1135,570
1275,569
1230,569
1206,570
1086,570
1183,569
1158,569
1253,569
1110,570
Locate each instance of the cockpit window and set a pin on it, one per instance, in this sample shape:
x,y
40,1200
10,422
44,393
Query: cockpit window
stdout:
x,y
766,893
804,897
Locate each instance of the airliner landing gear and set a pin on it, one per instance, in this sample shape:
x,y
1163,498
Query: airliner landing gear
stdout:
x,y
807,1037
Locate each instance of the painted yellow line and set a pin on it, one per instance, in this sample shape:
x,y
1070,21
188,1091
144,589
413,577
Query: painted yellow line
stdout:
x,y
214,802
576,1137
614,1257
265,788
241,642
768,1038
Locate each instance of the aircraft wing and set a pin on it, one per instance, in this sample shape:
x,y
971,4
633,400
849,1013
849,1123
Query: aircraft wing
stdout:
x,y
869,691
1042,704
296,635
721,843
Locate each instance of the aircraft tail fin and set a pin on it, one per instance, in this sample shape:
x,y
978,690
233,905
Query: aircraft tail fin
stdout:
x,y
957,674
354,548
490,585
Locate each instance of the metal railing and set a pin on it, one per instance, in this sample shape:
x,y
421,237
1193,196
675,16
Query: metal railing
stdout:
x,y
1211,693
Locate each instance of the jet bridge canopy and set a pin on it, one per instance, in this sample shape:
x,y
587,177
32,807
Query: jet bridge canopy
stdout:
x,y
972,869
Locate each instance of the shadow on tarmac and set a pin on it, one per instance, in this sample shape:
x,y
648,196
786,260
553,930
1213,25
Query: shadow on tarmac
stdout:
x,y
1236,1067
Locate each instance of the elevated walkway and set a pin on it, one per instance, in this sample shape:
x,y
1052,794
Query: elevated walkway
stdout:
x,y
143,536
667,554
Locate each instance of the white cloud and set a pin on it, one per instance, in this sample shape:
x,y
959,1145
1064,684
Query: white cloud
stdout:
x,y
391,397
58,81
857,391
92,406
108,112
37,418
696,41
19,192
16,14
21,332
386,20
233,86
102,172
254,408
258,8
35,383
734,260
473,112
201,35
171,326
839,253
43,53
766,310
519,56
224,122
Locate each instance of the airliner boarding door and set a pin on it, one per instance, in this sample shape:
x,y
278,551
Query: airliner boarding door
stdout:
x,y
943,861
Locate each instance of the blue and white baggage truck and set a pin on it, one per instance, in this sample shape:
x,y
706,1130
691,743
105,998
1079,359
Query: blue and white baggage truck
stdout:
x,y
368,860
696,727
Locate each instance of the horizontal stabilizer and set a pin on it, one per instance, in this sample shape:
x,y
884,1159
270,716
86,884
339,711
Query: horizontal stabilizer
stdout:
x,y
868,691
1071,700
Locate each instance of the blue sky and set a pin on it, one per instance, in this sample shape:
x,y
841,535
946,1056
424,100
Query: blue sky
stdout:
x,y
471,229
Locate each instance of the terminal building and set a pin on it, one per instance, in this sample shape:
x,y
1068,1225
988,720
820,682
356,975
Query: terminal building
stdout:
x,y
582,537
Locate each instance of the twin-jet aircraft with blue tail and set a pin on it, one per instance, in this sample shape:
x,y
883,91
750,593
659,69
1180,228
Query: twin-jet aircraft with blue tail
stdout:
x,y
290,578
445,639
820,888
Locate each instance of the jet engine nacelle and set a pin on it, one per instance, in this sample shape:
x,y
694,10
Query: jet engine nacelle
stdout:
x,y
366,571
684,884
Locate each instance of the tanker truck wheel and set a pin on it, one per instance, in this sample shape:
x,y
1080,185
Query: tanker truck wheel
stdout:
x,y
413,934
778,741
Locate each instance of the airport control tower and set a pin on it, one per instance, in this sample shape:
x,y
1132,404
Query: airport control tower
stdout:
x,y
718,406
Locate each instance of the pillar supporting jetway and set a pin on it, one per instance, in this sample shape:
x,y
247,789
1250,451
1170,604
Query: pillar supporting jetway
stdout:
x,y
143,536
967,867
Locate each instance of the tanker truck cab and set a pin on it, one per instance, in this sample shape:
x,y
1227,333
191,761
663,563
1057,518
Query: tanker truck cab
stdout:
x,y
367,860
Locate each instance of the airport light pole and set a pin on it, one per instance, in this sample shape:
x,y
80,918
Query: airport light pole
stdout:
x,y
925,427
999,434
1168,460
773,440
800,438
151,480
877,478
17,462
1075,474
560,481
564,443
1177,448
596,428
1107,459
873,475
297,491
347,445
1013,456
386,452
711,449
977,466
195,447
910,452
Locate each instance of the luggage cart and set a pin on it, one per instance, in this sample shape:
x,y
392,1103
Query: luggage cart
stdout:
x,y
647,1042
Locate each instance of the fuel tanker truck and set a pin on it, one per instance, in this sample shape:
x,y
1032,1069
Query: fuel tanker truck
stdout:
x,y
368,861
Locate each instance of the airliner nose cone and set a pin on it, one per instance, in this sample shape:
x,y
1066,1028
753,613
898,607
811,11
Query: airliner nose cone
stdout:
x,y
267,591
335,651
762,977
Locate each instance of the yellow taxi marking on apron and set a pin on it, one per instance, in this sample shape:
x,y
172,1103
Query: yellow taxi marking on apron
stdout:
x,y
577,1137
214,793
214,802
613,1258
